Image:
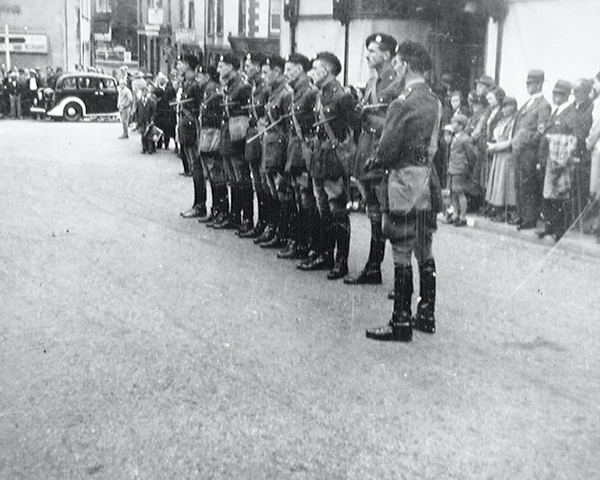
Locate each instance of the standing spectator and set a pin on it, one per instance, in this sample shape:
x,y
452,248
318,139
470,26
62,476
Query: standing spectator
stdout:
x,y
501,194
50,78
137,84
557,147
14,88
458,108
529,125
593,142
165,113
494,114
462,161
583,104
124,104
475,128
146,117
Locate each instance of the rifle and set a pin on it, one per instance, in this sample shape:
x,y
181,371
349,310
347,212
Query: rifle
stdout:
x,y
258,135
180,102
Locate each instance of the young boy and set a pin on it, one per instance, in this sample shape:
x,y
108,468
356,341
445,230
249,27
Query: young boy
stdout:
x,y
462,161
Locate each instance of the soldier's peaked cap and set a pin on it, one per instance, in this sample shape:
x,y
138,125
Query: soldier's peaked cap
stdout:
x,y
386,42
299,59
332,60
535,76
563,86
258,58
230,59
415,54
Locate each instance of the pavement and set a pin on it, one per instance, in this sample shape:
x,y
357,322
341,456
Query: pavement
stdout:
x,y
138,345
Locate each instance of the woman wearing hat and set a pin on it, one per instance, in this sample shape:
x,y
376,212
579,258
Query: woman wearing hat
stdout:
x,y
501,194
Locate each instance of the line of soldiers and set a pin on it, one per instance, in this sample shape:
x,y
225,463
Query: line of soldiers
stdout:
x,y
288,132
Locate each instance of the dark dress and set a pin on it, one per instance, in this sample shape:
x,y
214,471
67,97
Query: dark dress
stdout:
x,y
165,114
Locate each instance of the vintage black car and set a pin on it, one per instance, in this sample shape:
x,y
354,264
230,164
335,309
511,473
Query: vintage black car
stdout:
x,y
78,95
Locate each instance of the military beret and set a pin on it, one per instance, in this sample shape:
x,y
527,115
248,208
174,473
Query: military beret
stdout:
x,y
230,59
191,60
536,76
299,59
486,80
275,61
211,71
386,42
258,58
415,54
509,101
562,86
460,118
332,60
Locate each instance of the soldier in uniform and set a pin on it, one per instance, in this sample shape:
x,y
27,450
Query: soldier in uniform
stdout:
x,y
406,148
380,92
334,118
274,151
301,135
233,144
258,100
191,98
211,117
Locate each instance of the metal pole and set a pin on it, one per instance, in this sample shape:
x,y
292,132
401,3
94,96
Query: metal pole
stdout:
x,y
7,46
346,50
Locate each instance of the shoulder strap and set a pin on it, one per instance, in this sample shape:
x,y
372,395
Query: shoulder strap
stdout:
x,y
295,121
323,118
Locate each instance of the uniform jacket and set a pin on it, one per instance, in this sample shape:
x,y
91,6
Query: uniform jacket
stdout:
x,y
583,124
194,92
530,123
383,89
337,108
237,95
408,128
259,98
275,139
302,106
462,155
211,109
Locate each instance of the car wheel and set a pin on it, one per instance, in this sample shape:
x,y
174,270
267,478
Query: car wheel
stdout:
x,y
72,112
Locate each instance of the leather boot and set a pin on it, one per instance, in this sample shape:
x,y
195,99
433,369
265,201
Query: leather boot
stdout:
x,y
246,227
266,236
247,204
424,320
221,205
399,328
371,274
341,231
233,219
288,251
275,242
255,232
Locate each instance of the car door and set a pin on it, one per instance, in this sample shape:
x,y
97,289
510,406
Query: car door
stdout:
x,y
110,95
86,94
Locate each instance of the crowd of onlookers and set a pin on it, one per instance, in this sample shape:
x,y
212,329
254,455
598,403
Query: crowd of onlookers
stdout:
x,y
535,166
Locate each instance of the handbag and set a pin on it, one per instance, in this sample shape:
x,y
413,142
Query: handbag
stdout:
x,y
238,127
210,140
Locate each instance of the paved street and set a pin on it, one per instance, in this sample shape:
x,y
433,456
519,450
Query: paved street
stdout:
x,y
138,345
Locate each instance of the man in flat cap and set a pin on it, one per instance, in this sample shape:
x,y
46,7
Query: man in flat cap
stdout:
x,y
529,126
233,144
334,119
406,150
484,85
253,152
583,104
556,160
381,90
301,134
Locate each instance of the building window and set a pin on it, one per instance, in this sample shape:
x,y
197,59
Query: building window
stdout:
x,y
220,8
182,13
192,15
275,16
210,17
103,6
242,9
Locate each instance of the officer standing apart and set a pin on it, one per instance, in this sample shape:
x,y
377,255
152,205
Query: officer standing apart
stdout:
x,y
334,118
381,90
233,144
406,149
